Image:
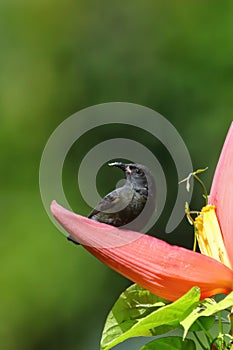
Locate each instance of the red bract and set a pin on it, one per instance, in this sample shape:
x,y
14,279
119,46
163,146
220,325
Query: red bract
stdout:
x,y
166,270
221,194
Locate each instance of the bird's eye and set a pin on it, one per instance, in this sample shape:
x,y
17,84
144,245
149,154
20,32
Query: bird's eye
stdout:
x,y
138,171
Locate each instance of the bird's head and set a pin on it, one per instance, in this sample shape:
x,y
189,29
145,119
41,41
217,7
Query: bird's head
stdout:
x,y
136,174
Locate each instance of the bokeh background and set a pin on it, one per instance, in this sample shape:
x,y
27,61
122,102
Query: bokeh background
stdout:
x,y
58,57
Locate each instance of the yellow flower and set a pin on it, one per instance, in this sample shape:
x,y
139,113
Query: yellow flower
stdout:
x,y
209,235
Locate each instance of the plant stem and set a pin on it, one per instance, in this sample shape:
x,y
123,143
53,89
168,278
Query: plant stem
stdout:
x,y
205,193
207,334
199,341
231,323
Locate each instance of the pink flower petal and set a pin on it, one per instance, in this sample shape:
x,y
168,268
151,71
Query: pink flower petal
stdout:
x,y
221,194
165,270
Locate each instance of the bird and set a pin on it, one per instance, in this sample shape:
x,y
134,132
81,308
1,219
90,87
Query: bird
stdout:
x,y
124,204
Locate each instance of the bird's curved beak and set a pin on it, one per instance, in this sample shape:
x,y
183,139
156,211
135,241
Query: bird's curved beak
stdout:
x,y
118,165
122,166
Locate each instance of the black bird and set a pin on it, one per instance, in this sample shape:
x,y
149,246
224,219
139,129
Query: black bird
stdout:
x,y
124,204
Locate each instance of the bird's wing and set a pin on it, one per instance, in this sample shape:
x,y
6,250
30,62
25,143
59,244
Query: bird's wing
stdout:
x,y
108,203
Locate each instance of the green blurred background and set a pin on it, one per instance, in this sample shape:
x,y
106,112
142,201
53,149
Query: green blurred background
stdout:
x,y
58,57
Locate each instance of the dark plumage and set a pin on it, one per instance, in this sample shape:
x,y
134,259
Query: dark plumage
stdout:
x,y
124,204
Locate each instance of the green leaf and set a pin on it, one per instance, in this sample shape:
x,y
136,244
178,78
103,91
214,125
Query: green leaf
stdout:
x,y
203,323
207,307
139,313
134,303
170,343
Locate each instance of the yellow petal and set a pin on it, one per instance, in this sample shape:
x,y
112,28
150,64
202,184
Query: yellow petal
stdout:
x,y
209,235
